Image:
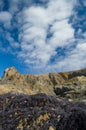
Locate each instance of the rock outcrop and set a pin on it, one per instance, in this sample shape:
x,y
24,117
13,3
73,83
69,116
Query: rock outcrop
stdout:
x,y
71,85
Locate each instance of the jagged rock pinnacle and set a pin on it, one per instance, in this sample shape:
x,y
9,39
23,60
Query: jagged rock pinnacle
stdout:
x,y
10,73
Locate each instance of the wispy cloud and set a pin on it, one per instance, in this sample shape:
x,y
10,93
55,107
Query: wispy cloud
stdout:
x,y
1,4
75,59
36,32
5,18
45,29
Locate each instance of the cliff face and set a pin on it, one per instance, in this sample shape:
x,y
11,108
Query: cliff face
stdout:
x,y
68,84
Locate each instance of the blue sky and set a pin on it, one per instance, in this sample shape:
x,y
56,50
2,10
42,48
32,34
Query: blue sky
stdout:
x,y
41,36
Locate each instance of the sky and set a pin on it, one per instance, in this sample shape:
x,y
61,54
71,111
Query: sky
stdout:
x,y
42,36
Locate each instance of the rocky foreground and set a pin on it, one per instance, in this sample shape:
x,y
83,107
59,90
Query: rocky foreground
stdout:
x,y
40,112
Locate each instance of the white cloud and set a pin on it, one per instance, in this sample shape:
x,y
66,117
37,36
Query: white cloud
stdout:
x,y
77,56
74,60
84,2
15,5
36,48
5,18
60,9
12,42
62,34
35,24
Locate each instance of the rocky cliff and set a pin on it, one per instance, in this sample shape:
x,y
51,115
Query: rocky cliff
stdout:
x,y
71,85
54,101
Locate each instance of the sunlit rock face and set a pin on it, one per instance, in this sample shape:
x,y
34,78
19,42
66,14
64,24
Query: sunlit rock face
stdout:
x,y
11,74
71,85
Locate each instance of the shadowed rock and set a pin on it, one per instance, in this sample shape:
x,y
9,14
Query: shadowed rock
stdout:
x,y
39,112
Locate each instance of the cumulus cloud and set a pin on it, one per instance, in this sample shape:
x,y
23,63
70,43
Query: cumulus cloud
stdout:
x,y
38,23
